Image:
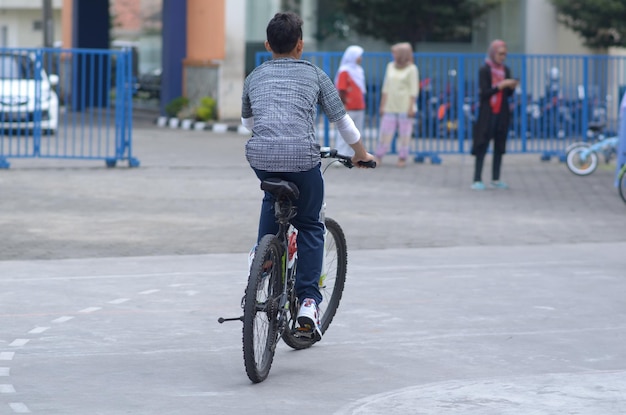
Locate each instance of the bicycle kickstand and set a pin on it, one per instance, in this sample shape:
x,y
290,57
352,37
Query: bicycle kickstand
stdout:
x,y
222,319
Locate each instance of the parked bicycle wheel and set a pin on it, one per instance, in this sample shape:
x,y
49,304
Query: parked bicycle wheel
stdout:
x,y
578,163
331,285
261,309
622,183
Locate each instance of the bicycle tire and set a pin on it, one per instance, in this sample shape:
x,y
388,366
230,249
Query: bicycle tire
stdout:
x,y
577,165
260,311
333,280
622,183
332,283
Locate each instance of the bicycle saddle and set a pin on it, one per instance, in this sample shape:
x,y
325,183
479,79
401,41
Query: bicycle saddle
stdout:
x,y
595,126
280,188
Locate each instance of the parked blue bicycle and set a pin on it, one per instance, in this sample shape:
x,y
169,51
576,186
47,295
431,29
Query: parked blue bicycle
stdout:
x,y
582,157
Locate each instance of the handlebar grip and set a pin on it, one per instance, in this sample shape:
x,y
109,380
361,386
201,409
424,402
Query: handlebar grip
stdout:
x,y
369,164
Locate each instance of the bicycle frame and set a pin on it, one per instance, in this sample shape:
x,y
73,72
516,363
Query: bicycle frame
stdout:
x,y
284,211
606,143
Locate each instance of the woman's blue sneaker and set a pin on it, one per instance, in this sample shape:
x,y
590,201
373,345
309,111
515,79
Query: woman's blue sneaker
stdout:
x,y
499,184
478,186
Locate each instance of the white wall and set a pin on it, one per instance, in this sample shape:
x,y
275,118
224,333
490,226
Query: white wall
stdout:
x,y
232,69
28,4
544,35
20,27
258,13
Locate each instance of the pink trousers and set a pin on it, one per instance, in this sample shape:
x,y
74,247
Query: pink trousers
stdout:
x,y
391,123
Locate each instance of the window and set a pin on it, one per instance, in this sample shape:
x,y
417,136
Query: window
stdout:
x,y
16,67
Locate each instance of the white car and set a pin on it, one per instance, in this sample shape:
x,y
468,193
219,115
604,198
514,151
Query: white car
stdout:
x,y
19,99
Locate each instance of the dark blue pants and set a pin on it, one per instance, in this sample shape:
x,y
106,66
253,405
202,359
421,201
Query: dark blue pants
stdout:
x,y
310,229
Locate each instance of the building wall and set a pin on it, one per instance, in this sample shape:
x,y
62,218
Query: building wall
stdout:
x,y
528,26
20,27
232,70
127,18
27,4
544,35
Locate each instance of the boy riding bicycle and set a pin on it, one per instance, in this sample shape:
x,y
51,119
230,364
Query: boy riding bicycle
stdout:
x,y
279,105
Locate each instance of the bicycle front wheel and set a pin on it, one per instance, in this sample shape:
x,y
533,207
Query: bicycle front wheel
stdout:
x,y
331,285
622,183
333,278
261,309
580,165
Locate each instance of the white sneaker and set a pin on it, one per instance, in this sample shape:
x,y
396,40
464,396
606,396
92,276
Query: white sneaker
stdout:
x,y
308,317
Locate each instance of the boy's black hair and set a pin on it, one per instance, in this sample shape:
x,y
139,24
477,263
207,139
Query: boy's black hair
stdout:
x,y
284,31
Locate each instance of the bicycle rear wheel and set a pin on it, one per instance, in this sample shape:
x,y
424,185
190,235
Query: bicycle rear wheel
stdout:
x,y
261,309
331,285
622,183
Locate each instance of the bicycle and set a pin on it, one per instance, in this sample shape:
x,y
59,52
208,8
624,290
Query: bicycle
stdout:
x,y
621,182
270,306
582,157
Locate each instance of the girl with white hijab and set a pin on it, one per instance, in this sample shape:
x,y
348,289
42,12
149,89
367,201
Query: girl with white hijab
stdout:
x,y
350,83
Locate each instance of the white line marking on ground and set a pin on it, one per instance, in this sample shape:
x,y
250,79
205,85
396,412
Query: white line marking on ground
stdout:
x,y
227,273
62,319
7,389
7,355
149,292
388,268
203,394
199,274
19,342
90,309
119,301
590,272
191,293
459,276
526,274
38,330
19,408
5,371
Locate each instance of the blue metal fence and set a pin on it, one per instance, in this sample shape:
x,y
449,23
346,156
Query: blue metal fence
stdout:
x,y
558,97
66,103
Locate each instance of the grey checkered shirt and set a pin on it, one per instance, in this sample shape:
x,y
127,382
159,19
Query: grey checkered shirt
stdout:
x,y
282,95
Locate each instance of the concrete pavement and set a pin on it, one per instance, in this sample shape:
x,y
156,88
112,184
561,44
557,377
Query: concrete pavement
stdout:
x,y
457,302
195,194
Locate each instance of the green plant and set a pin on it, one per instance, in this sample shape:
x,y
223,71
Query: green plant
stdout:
x,y
207,110
175,106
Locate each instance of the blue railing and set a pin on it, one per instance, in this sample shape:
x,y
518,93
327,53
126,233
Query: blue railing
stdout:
x,y
558,96
66,103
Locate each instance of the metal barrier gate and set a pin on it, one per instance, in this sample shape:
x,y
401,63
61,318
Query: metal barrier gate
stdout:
x,y
66,103
558,97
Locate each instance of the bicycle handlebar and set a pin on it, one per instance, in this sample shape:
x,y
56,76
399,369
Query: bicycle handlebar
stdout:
x,y
327,152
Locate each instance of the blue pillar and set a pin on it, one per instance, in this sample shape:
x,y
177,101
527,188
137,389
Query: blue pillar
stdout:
x,y
90,23
174,49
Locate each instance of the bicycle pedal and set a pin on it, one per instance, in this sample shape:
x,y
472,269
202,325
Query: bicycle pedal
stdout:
x,y
304,333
